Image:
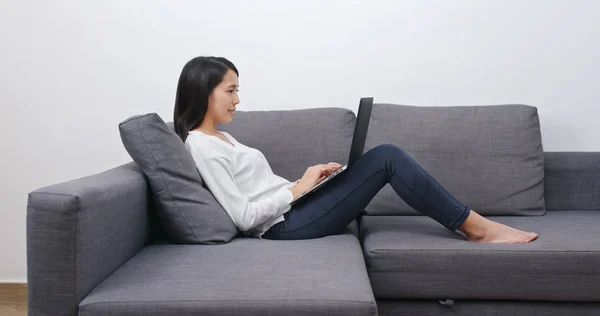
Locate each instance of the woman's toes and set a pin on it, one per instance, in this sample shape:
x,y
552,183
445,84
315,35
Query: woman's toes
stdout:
x,y
533,236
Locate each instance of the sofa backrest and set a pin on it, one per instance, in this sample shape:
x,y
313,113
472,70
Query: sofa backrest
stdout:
x,y
489,157
572,181
293,140
320,135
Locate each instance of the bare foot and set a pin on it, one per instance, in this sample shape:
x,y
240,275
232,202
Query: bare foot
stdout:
x,y
480,229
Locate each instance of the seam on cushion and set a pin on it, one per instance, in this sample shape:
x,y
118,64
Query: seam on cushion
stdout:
x,y
571,210
370,304
51,193
395,251
441,273
258,300
55,209
167,187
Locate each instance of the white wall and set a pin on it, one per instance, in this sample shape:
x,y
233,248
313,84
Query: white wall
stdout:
x,y
70,71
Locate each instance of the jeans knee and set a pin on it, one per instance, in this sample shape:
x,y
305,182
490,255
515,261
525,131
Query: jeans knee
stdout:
x,y
388,149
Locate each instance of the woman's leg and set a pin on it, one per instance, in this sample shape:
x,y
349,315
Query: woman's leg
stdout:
x,y
331,209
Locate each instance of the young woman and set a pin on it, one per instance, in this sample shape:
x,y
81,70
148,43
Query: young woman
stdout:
x,y
257,200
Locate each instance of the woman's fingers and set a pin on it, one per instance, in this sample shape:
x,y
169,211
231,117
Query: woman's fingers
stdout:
x,y
330,168
327,171
321,179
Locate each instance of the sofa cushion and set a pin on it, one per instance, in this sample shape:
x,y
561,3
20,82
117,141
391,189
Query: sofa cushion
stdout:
x,y
488,157
189,213
415,257
293,140
248,276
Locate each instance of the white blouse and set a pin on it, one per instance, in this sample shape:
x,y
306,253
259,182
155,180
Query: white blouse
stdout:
x,y
242,181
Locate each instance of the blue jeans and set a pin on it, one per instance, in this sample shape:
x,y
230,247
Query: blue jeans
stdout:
x,y
329,210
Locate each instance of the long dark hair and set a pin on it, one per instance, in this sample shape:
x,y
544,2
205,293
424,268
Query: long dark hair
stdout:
x,y
197,80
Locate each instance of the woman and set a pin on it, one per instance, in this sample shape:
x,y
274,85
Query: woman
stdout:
x,y
257,200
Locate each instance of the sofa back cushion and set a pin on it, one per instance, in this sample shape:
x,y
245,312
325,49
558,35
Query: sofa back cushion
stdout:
x,y
293,140
189,213
488,157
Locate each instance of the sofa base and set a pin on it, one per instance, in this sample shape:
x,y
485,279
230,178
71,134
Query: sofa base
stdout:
x,y
486,308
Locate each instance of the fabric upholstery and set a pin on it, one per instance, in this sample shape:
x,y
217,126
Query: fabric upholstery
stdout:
x,y
486,308
248,276
189,213
415,257
293,140
488,157
572,181
79,232
86,244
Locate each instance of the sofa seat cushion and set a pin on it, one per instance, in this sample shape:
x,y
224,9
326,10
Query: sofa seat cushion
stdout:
x,y
415,257
248,276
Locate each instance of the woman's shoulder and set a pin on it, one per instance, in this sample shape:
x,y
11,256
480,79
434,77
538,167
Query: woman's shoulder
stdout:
x,y
204,147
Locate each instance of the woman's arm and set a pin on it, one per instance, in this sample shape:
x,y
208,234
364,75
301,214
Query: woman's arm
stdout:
x,y
298,188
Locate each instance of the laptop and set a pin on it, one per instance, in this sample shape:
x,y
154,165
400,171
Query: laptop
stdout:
x,y
356,149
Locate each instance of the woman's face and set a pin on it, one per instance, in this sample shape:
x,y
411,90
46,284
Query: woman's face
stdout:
x,y
224,98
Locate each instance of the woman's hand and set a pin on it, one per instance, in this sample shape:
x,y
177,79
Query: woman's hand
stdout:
x,y
315,174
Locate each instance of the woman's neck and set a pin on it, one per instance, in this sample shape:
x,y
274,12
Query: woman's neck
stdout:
x,y
206,130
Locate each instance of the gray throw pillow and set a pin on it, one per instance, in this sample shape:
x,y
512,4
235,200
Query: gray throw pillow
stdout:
x,y
188,211
488,157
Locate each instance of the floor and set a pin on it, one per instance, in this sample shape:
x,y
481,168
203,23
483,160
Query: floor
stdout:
x,y
13,310
13,299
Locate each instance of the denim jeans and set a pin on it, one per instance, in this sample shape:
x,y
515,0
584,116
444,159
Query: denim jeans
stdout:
x,y
329,210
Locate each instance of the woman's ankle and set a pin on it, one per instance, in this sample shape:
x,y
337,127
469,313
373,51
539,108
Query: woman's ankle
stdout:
x,y
473,226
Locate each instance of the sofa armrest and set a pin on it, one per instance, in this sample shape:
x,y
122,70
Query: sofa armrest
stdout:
x,y
572,181
81,231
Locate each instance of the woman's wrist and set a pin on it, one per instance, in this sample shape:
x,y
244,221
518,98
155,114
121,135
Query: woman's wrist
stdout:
x,y
297,189
295,192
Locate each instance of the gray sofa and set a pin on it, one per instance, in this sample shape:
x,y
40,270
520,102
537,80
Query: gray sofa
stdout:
x,y
95,245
